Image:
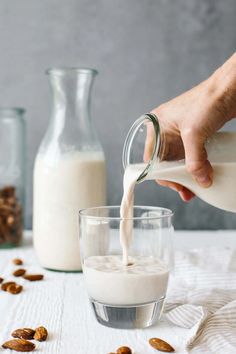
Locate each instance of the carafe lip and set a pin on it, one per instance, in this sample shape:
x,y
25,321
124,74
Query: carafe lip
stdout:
x,y
130,137
67,70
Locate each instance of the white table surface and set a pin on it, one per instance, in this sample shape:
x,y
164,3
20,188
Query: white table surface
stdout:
x,y
60,303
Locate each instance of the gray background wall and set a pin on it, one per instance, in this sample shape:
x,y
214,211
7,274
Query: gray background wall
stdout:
x,y
146,51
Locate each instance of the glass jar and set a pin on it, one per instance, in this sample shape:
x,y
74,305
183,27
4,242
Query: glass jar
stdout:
x,y
159,154
12,175
69,172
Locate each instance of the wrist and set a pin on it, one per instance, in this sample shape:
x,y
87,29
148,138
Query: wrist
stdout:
x,y
222,86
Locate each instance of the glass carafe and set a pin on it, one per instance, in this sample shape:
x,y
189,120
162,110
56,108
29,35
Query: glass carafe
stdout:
x,y
69,172
162,157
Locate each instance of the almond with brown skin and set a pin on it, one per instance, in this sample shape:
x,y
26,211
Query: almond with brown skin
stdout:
x,y
161,345
124,350
19,272
14,289
1,280
19,345
41,334
5,285
23,333
8,192
17,261
33,277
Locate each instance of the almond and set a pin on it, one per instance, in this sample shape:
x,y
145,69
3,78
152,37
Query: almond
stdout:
x,y
33,277
19,272
17,261
124,350
4,286
23,333
19,345
14,289
41,334
10,220
161,345
1,280
8,192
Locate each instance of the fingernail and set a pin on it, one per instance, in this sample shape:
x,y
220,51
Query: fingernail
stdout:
x,y
181,194
173,188
204,181
176,188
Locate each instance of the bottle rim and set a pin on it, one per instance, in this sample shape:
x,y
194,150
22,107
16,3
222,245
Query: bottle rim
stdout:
x,y
130,138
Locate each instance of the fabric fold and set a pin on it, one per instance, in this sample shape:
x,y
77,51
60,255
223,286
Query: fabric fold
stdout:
x,y
202,297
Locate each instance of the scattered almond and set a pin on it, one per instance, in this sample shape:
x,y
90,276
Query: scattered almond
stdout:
x,y
161,345
5,285
124,350
19,345
14,289
17,261
41,334
19,272
33,277
23,333
1,280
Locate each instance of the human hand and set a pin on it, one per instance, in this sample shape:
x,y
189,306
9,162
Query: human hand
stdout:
x,y
188,120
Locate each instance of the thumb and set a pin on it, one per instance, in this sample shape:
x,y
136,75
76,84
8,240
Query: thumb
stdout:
x,y
196,158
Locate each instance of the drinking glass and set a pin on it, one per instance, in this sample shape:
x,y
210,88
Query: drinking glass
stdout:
x,y
126,296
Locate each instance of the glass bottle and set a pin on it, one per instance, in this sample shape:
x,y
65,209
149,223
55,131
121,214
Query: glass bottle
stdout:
x,y
69,172
161,156
12,175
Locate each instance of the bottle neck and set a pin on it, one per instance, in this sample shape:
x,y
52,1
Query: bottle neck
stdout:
x,y
71,94
71,90
149,142
143,144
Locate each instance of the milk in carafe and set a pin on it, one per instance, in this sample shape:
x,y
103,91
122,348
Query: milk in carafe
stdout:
x,y
61,188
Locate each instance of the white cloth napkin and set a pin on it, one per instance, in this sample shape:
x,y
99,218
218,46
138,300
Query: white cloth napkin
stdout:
x,y
202,296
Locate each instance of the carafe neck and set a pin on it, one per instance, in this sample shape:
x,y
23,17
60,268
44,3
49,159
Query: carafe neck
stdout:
x,y
143,144
71,89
